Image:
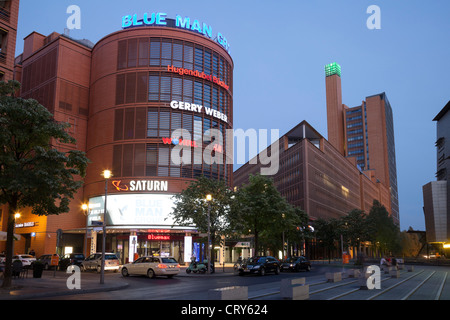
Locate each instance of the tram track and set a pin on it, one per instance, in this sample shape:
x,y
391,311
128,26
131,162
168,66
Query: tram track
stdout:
x,y
422,284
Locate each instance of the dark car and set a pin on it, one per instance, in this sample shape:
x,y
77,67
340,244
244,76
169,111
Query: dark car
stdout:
x,y
296,264
260,265
70,259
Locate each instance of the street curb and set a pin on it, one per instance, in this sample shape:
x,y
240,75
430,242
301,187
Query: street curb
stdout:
x,y
29,296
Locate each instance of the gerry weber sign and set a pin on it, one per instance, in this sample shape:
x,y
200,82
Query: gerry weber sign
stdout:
x,y
159,19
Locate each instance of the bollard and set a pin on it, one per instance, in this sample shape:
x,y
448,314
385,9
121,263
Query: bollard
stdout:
x,y
294,289
333,276
228,293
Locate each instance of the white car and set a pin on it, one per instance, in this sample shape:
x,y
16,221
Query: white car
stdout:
x,y
26,259
152,267
94,261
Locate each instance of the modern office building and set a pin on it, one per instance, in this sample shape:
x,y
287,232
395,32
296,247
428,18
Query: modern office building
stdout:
x,y
316,177
436,194
326,178
365,132
124,97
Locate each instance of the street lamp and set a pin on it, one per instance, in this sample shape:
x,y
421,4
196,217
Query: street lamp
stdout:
x,y
106,174
209,199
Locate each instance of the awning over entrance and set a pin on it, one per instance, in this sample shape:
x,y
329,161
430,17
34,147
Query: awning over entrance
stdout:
x,y
4,234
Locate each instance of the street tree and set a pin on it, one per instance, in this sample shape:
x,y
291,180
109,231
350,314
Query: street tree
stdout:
x,y
354,228
191,207
383,232
327,234
261,211
33,173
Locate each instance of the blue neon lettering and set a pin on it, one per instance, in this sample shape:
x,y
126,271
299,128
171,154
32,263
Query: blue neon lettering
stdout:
x,y
136,22
161,19
196,26
207,30
186,23
127,21
180,22
152,19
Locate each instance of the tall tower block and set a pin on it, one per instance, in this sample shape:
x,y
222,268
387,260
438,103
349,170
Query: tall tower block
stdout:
x,y
335,109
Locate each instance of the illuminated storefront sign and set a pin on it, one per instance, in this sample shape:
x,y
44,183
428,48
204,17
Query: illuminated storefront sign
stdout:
x,y
159,19
26,224
152,210
198,108
160,237
141,185
198,74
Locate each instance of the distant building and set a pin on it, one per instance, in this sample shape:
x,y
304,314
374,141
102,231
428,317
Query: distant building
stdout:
x,y
314,176
365,132
436,194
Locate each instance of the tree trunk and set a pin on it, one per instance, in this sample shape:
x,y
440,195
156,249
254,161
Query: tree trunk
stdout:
x,y
7,281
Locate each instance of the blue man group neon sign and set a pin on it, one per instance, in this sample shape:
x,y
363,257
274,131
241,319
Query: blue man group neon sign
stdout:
x,y
159,19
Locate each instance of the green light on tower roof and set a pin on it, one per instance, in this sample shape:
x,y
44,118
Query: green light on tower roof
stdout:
x,y
332,68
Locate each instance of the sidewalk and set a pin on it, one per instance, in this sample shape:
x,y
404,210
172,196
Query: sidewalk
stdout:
x,y
54,286
49,286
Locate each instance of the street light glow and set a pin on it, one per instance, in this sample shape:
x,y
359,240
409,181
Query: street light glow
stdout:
x,y
107,174
208,197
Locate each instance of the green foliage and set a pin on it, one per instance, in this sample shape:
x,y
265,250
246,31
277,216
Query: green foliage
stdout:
x,y
356,227
261,211
191,207
33,173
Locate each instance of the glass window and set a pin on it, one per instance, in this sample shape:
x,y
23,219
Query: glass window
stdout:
x,y
153,87
152,123
199,59
164,124
189,56
177,89
166,52
187,90
155,52
177,54
143,51
165,88
198,93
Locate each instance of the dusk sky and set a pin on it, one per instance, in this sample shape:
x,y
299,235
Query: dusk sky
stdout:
x,y
280,48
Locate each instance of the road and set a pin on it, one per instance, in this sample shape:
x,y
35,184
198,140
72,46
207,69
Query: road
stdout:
x,y
424,283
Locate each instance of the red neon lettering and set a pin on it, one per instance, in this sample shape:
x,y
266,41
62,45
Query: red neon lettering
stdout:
x,y
158,237
197,74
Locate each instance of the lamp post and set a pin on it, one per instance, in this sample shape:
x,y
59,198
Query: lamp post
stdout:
x,y
209,199
106,174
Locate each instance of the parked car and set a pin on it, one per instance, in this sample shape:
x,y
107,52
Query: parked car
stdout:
x,y
94,262
260,265
46,259
296,264
70,259
26,259
152,267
